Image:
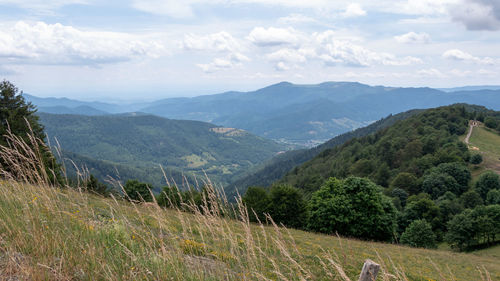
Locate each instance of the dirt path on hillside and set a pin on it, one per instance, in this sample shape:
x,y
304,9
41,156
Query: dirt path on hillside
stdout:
x,y
472,124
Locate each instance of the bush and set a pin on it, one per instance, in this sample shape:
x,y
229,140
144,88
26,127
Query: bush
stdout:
x,y
256,199
170,197
287,206
407,182
476,159
493,197
486,182
94,185
490,122
352,207
471,228
419,234
471,199
138,191
436,184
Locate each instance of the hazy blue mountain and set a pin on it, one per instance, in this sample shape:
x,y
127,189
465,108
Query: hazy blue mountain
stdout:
x,y
144,142
310,114
301,114
66,106
470,88
79,110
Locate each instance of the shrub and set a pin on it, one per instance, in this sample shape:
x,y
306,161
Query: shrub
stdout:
x,y
138,191
353,207
406,181
94,185
436,184
419,234
493,197
490,122
287,206
256,199
170,197
471,199
476,159
486,182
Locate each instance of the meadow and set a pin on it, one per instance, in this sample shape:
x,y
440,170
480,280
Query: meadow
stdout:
x,y
50,233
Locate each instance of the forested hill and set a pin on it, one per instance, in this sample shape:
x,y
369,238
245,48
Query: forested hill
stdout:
x,y
410,147
277,167
143,142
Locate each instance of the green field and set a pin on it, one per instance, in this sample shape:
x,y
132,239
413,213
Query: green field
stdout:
x,y
487,142
52,234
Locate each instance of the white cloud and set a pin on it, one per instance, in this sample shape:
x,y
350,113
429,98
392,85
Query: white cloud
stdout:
x,y
413,38
172,8
285,59
423,8
334,52
42,5
477,14
431,72
221,41
273,36
43,43
456,54
296,19
354,10
229,62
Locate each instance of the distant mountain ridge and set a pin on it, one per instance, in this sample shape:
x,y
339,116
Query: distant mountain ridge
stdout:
x,y
301,114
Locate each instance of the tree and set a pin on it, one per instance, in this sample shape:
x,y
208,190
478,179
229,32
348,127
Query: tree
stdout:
x,y
170,197
18,117
436,184
287,206
471,199
419,234
459,172
407,182
476,159
353,207
486,182
490,122
138,191
462,231
493,197
94,185
421,207
256,199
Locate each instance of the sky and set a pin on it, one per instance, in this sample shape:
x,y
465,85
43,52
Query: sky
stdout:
x,y
150,49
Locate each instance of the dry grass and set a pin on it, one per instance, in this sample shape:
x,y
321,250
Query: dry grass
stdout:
x,y
53,233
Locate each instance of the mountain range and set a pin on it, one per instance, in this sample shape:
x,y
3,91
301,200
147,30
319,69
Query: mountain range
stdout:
x,y
299,114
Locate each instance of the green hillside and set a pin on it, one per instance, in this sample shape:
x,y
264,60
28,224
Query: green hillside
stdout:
x,y
77,236
274,169
413,145
486,141
145,142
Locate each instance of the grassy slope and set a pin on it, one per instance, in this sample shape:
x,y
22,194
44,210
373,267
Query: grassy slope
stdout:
x,y
487,142
47,234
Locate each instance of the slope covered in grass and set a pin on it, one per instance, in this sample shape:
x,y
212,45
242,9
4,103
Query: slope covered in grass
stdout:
x,y
64,234
486,141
